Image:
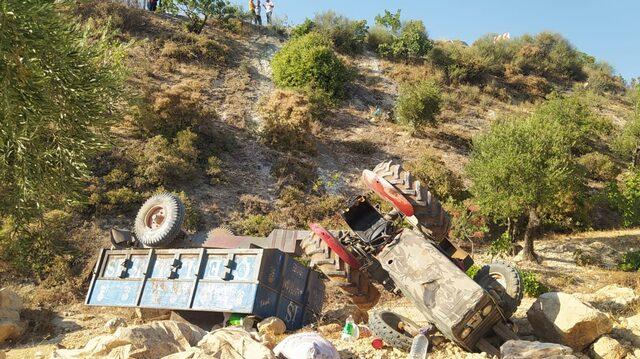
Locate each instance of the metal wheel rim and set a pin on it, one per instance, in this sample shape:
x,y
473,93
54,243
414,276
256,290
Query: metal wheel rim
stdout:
x,y
499,278
155,217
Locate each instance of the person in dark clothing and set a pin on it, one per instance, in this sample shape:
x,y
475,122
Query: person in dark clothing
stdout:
x,y
152,5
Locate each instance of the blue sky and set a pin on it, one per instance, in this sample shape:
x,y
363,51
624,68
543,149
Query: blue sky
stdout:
x,y
609,30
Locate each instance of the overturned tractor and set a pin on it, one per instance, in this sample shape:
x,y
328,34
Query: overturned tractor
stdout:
x,y
420,263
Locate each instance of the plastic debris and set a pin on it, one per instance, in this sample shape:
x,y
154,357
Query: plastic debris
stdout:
x,y
310,345
350,332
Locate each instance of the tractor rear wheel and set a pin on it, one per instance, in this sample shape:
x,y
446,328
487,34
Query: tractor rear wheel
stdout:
x,y
353,282
428,210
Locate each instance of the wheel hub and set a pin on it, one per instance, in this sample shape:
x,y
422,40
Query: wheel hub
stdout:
x,y
155,217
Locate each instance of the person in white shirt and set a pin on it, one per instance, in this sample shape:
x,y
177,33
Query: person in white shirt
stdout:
x,y
257,14
268,7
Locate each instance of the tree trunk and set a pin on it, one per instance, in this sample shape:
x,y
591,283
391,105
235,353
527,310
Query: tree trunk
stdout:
x,y
533,227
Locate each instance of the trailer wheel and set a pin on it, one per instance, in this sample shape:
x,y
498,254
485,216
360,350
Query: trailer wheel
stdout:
x,y
384,324
427,208
502,281
353,282
159,220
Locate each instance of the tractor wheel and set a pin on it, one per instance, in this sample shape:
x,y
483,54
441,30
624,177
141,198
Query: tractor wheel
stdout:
x,y
502,281
427,208
353,282
159,220
385,325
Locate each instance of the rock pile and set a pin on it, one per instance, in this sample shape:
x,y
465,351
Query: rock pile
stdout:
x,y
11,327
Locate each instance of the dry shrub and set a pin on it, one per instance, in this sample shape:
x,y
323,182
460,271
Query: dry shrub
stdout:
x,y
361,147
253,225
599,166
195,48
164,162
298,209
175,108
295,172
254,205
288,123
119,16
434,174
529,85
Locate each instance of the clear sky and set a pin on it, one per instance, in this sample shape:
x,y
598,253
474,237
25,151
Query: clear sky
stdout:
x,y
608,30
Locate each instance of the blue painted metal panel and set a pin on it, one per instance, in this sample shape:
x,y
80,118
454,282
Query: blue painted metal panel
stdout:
x,y
314,296
122,293
263,282
294,282
169,293
290,312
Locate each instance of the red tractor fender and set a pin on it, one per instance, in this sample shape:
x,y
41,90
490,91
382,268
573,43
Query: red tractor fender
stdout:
x,y
335,245
388,192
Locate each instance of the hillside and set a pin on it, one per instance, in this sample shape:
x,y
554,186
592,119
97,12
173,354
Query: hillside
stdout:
x,y
193,122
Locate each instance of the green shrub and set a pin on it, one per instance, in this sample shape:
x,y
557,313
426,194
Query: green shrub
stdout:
x,y
434,173
254,225
195,48
627,142
418,104
501,246
309,62
548,55
33,250
123,199
460,63
473,271
599,166
348,36
531,284
193,216
298,209
630,262
467,223
378,36
601,79
300,30
412,42
624,196
214,169
287,122
161,162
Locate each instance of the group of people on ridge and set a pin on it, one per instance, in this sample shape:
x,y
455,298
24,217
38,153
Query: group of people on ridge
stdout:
x,y
254,8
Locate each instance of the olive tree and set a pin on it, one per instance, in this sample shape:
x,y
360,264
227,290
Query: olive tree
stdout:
x,y
199,11
524,167
61,84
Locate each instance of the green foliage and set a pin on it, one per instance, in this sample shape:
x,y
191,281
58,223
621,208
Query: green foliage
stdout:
x,y
254,225
598,166
287,121
309,62
523,164
348,36
473,271
627,142
378,36
193,218
625,197
466,223
418,104
33,250
411,43
161,162
61,84
501,246
195,48
549,55
601,79
299,209
123,199
434,173
531,284
295,172
199,11
389,20
630,262
306,27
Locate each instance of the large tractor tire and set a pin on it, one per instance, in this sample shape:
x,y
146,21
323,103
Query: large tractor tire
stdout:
x,y
159,220
502,281
386,325
428,211
353,282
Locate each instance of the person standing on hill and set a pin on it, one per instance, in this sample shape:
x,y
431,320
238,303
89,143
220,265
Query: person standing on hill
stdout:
x,y
152,5
268,7
257,13
252,11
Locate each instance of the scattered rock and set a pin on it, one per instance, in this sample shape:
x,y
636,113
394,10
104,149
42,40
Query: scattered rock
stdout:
x,y
561,318
629,330
228,343
151,314
11,327
608,348
153,340
612,297
522,349
273,325
114,324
